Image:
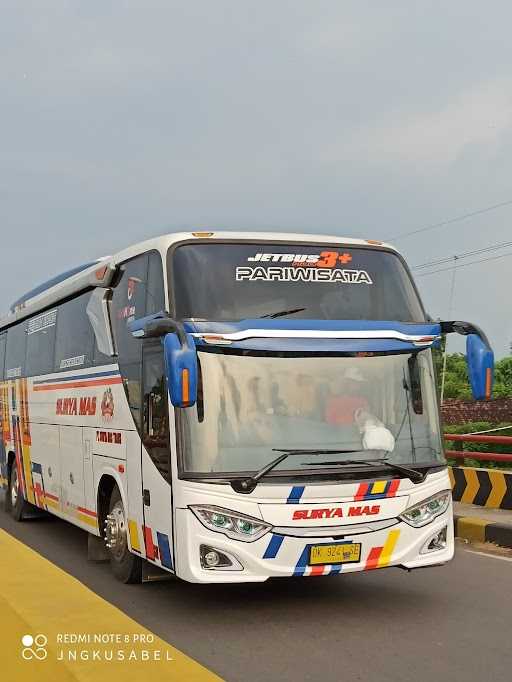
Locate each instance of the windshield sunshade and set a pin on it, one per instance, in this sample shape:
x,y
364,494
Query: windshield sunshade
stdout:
x,y
240,281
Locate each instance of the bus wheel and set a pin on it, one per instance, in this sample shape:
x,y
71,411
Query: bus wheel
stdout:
x,y
14,501
126,566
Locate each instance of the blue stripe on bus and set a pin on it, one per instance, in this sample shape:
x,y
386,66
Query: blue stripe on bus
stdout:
x,y
273,546
295,494
164,550
335,569
37,468
300,567
77,377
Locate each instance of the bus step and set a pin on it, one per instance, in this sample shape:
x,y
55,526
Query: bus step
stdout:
x,y
152,573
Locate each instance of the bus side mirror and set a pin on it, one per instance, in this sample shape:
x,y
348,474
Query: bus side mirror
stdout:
x,y
181,365
479,356
480,361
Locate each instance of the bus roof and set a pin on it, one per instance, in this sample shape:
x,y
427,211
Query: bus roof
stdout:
x,y
83,277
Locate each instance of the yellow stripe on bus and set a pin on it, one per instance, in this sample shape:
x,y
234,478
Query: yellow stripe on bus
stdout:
x,y
51,503
89,520
134,535
378,487
388,548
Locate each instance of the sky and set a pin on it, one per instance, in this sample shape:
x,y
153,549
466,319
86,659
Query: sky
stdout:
x,y
123,120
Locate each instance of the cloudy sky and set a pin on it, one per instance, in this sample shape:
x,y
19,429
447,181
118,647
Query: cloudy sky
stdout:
x,y
121,120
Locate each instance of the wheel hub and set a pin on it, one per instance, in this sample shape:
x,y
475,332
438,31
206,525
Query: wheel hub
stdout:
x,y
14,487
115,531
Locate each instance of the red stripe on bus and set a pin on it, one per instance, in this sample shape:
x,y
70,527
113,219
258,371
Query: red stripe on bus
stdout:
x,y
317,570
393,487
51,497
148,541
79,384
89,512
361,491
373,558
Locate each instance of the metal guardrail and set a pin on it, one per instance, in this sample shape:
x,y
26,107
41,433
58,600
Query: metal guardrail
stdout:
x,y
461,454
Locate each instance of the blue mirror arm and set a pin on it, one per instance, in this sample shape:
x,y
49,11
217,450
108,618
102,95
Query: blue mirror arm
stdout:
x,y
165,326
464,328
158,325
137,327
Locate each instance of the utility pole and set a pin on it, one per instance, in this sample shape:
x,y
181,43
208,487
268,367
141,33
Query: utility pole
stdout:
x,y
450,311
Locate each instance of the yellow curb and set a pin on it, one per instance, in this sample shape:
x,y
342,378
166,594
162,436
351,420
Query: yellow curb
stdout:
x,y
38,598
471,529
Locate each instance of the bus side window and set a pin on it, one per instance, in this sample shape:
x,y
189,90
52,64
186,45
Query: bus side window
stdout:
x,y
74,342
15,351
41,343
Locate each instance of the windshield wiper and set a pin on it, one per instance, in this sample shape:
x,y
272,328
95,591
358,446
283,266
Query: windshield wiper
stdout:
x,y
247,485
282,313
415,475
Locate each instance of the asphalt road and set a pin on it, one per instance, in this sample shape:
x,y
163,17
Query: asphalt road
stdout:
x,y
444,624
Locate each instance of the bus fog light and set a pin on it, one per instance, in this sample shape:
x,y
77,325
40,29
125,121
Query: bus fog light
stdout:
x,y
211,559
214,559
427,510
436,542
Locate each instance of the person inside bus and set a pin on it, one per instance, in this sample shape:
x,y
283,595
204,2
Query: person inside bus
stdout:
x,y
346,404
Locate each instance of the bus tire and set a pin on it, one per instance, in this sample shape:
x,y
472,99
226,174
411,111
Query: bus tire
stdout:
x,y
15,503
126,567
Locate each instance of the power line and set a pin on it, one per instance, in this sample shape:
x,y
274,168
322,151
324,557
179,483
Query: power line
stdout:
x,y
464,265
465,254
450,221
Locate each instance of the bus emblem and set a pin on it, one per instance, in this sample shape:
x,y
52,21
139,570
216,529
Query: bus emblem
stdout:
x,y
107,405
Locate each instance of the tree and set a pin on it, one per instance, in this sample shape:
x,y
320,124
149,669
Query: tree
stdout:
x,y
503,378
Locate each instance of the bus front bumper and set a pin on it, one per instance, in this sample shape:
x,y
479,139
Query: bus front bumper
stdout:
x,y
284,556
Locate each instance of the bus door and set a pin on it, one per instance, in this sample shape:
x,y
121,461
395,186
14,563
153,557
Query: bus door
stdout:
x,y
156,461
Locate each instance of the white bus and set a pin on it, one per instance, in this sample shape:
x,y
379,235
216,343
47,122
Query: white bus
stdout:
x,y
230,407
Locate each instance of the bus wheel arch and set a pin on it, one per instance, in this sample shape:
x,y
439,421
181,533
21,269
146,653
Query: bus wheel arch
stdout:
x,y
113,526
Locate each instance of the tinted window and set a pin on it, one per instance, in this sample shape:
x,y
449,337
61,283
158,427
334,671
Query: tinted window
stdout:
x,y
155,431
74,343
131,374
3,339
15,351
155,300
129,303
139,292
237,281
41,343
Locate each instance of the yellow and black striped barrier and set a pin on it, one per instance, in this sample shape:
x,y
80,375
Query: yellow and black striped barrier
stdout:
x,y
484,487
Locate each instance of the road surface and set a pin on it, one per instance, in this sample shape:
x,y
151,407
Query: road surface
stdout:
x,y
449,623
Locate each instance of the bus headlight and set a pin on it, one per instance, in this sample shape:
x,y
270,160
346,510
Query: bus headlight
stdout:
x,y
233,524
426,511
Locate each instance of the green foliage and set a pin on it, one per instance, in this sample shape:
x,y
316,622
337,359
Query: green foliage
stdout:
x,y
456,383
503,378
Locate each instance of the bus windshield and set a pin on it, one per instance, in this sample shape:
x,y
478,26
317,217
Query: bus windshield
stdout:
x,y
248,405
219,281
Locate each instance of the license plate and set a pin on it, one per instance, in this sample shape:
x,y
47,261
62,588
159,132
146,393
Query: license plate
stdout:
x,y
335,554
